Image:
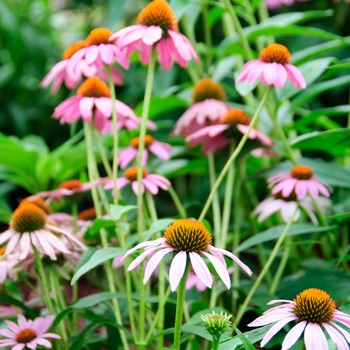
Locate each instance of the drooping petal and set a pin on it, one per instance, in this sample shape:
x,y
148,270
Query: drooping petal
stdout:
x,y
177,269
154,261
152,35
295,76
220,269
201,269
293,335
336,337
314,337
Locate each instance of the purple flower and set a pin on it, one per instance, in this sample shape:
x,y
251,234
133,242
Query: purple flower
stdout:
x,y
189,241
272,68
160,149
315,313
301,181
157,25
27,333
150,182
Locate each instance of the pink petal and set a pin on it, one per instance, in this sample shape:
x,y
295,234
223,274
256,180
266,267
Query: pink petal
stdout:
x,y
336,337
220,269
160,150
136,262
91,54
25,245
177,269
154,261
274,329
106,53
314,337
147,244
301,188
42,324
152,35
150,186
281,76
7,333
104,105
85,105
295,76
293,335
201,269
13,326
6,235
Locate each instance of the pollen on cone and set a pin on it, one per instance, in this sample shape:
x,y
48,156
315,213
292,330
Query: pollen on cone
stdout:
x,y
72,49
275,53
235,116
131,174
99,36
301,172
207,88
93,87
136,141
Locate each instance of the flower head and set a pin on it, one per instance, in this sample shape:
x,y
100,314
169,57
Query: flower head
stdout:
x,y
217,324
209,105
272,68
160,149
300,180
234,122
99,51
29,227
150,182
157,25
93,103
190,242
27,333
315,312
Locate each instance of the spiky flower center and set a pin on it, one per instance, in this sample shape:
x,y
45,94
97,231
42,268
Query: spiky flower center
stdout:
x,y
72,49
235,116
2,250
131,174
217,324
314,305
206,88
87,214
99,36
275,53
39,203
188,235
158,13
93,87
71,184
301,172
28,218
136,141
25,336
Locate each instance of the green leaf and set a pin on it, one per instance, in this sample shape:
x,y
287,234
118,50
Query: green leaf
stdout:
x,y
97,258
334,142
310,71
97,225
246,343
253,336
275,232
97,298
6,299
118,210
339,217
159,225
318,88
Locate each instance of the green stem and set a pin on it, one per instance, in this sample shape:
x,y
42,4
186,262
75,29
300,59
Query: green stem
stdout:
x,y
216,201
88,129
264,270
246,48
104,157
207,36
227,200
281,266
180,208
216,343
145,113
115,135
181,291
234,155
264,15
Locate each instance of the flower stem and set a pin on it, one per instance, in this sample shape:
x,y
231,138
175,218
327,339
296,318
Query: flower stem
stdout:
x,y
216,201
145,113
264,270
88,129
104,157
234,155
181,291
216,343
180,208
207,36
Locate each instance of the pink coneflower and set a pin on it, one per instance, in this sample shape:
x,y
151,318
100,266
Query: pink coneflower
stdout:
x,y
232,124
315,312
150,182
93,103
272,68
160,149
274,4
190,242
7,265
287,206
157,24
9,311
28,334
301,181
65,189
99,51
29,226
209,105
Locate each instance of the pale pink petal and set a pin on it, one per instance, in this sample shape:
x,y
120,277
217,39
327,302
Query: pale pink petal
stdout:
x,y
343,331
22,322
91,54
13,326
281,76
7,333
126,156
104,105
164,54
201,269
50,335
323,189
39,341
336,337
270,73
255,72
150,186
274,329
136,262
220,269
106,53
301,188
154,261
152,35
295,76
12,243
160,150
19,347
147,244
42,324
293,335
314,337
246,69
85,105
6,235
272,316
177,269
25,245
133,36
123,32
6,342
